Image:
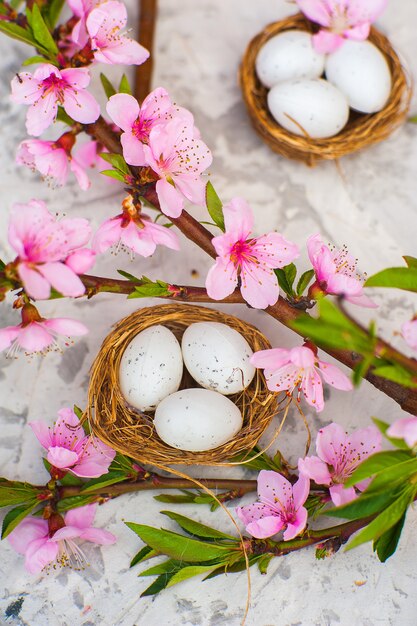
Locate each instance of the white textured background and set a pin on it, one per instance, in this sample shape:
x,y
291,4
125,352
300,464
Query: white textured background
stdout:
x,y
369,204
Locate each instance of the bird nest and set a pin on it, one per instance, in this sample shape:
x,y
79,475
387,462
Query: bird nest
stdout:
x,y
131,431
361,130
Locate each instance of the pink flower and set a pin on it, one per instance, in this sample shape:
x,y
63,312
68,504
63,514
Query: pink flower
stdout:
x,y
286,370
49,87
247,261
37,334
137,121
409,332
280,506
81,9
342,19
134,230
405,428
53,160
336,272
69,448
178,157
32,538
109,45
49,251
339,454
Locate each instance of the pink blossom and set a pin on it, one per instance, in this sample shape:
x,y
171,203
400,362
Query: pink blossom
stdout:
x,y
50,252
81,9
53,161
405,428
280,506
247,261
336,272
41,548
37,334
409,332
137,121
299,368
178,157
342,19
49,87
339,454
108,43
134,230
69,448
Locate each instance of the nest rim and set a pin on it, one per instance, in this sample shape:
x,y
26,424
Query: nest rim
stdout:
x,y
131,432
362,130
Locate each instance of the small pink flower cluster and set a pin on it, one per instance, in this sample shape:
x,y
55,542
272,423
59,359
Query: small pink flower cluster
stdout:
x,y
280,504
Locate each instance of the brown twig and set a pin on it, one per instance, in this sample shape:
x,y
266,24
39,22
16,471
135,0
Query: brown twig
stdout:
x,y
146,29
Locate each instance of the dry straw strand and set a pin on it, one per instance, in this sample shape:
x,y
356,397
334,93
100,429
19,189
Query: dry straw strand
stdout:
x,y
131,432
361,130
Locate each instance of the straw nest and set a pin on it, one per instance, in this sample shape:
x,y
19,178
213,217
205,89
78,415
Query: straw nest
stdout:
x,y
360,131
130,431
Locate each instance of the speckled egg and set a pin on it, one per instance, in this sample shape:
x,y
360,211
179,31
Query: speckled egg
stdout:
x,y
312,108
217,357
151,367
197,420
286,56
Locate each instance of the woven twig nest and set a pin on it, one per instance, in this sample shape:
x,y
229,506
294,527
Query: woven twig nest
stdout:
x,y
131,432
361,130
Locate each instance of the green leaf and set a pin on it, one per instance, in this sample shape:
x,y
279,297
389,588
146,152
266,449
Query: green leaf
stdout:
x,y
261,462
74,502
166,567
35,59
392,476
62,116
41,31
214,206
70,480
188,572
158,585
54,8
150,290
143,555
116,160
111,478
15,492
177,546
264,562
195,528
124,86
114,174
386,544
397,374
397,277
15,516
383,427
109,90
286,277
131,278
376,463
413,119
305,280
175,498
385,520
363,506
361,369
411,261
17,32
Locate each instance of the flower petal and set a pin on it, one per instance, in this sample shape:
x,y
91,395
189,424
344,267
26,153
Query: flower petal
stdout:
x,y
36,286
124,110
405,428
265,527
238,218
61,458
66,326
221,279
94,458
63,279
81,261
313,389
274,490
300,491
99,536
34,338
30,529
42,433
315,469
330,441
81,106
40,553
326,42
170,199
271,359
340,495
333,376
297,525
82,517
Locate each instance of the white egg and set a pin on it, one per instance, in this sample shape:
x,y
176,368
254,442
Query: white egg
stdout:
x,y
312,108
361,72
150,368
217,357
197,420
286,56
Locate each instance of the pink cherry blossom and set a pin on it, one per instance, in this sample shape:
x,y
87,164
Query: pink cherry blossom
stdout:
x,y
247,261
409,332
49,87
69,448
108,43
339,454
54,161
81,9
280,506
134,230
405,428
178,157
336,272
38,335
33,538
299,368
137,121
50,252
342,19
